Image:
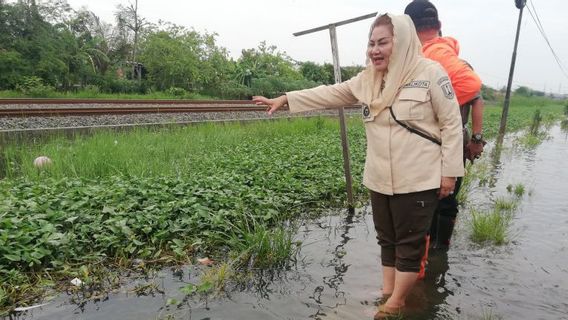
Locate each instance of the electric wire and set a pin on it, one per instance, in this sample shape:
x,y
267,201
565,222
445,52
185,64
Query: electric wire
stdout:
x,y
540,28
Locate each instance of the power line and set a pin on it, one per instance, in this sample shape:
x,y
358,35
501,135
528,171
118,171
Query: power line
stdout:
x,y
503,79
531,85
540,28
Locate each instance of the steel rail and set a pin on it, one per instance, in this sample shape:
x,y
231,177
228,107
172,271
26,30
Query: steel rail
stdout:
x,y
50,112
42,101
164,106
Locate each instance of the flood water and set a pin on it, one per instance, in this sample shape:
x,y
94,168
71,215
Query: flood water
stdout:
x,y
337,275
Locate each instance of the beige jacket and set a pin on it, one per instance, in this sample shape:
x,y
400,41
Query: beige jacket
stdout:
x,y
397,160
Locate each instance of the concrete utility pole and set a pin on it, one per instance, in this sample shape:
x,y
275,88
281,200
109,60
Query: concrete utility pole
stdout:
x,y
520,4
337,72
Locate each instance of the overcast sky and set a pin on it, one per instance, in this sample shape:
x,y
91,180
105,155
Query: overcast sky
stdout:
x,y
485,29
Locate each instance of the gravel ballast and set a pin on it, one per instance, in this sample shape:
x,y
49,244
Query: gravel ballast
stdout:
x,y
38,123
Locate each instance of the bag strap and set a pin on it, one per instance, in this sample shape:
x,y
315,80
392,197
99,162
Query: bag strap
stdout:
x,y
415,131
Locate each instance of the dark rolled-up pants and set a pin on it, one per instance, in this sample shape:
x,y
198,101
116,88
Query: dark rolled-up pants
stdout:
x,y
402,222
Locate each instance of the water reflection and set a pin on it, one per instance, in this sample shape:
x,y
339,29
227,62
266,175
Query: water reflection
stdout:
x,y
338,264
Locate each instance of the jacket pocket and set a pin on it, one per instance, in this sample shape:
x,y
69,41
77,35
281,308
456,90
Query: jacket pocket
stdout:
x,y
410,104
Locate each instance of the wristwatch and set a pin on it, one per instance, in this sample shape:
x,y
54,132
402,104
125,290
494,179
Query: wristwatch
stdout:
x,y
477,138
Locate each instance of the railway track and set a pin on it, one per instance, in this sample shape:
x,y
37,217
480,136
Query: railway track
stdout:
x,y
43,101
67,107
37,107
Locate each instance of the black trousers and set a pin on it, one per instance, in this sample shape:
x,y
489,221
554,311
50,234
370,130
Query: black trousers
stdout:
x,y
402,222
444,219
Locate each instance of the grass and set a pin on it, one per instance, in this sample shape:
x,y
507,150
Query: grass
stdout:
x,y
490,227
534,136
505,205
488,315
564,125
493,226
518,190
182,151
260,247
521,114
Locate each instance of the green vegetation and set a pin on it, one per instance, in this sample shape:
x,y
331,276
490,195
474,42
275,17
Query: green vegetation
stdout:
x,y
89,93
534,135
466,185
505,205
490,227
493,226
48,49
530,114
164,197
564,125
209,150
518,189
170,195
564,122
489,315
521,114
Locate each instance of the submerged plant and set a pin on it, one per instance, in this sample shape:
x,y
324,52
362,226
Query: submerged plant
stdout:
x,y
536,120
490,227
466,184
507,205
564,125
531,141
488,315
213,281
519,190
256,246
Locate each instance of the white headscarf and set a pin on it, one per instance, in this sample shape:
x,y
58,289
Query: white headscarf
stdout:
x,y
405,63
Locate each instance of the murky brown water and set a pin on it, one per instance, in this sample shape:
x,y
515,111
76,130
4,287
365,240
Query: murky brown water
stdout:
x,y
338,276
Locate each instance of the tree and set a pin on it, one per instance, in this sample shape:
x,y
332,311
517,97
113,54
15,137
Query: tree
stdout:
x,y
268,61
178,57
314,72
12,66
488,93
128,19
91,45
523,91
350,71
23,30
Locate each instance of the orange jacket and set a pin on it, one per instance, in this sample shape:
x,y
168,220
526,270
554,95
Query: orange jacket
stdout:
x,y
465,81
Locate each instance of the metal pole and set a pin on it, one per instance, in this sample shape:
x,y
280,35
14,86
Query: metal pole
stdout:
x,y
510,83
344,140
337,73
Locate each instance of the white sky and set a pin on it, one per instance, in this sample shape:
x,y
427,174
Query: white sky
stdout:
x,y
484,28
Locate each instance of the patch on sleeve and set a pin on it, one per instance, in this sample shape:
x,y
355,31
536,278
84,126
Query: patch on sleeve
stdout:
x,y
446,87
366,111
425,84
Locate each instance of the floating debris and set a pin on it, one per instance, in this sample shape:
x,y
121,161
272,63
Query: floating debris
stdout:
x,y
205,261
77,282
22,309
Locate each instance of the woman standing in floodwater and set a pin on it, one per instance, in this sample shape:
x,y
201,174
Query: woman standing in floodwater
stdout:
x,y
414,144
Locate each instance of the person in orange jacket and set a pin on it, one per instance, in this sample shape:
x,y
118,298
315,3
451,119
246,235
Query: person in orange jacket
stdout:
x,y
467,87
